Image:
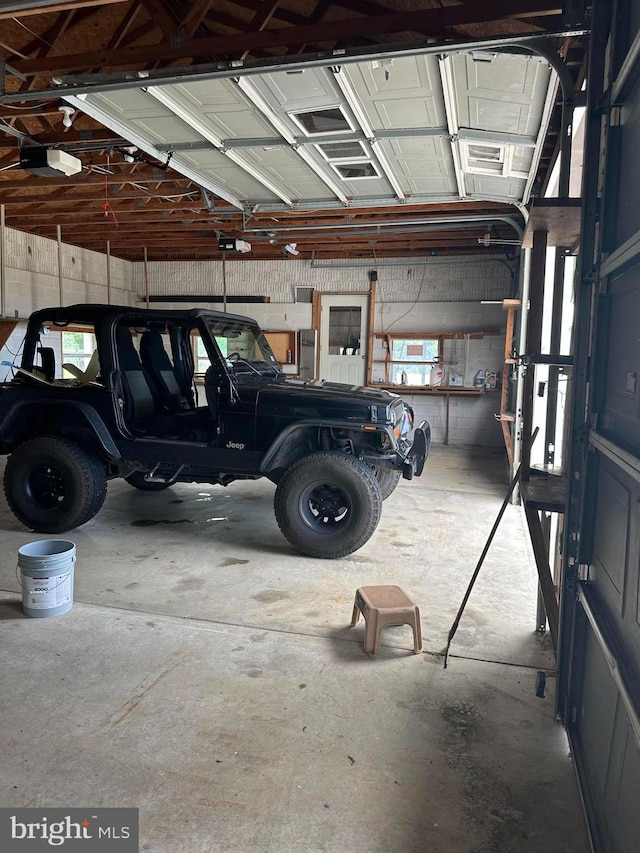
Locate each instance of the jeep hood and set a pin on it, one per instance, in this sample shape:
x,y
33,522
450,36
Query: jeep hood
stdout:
x,y
319,399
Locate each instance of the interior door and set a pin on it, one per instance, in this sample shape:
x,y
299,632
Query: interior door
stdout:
x,y
344,323
599,654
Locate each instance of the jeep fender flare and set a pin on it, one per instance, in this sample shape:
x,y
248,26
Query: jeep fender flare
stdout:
x,y
19,414
290,443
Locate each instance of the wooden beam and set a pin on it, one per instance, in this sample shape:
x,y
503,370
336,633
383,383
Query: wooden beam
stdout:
x,y
260,20
62,6
68,139
195,16
64,196
488,11
92,179
547,588
162,16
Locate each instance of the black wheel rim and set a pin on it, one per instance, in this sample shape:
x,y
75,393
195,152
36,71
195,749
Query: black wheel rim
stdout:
x,y
325,506
45,486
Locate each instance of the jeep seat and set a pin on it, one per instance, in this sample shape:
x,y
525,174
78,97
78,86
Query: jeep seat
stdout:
x,y
156,362
140,404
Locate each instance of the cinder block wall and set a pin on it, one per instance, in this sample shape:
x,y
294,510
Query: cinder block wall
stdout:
x,y
32,282
435,280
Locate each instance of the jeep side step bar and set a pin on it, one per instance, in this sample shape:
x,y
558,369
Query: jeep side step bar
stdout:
x,y
153,477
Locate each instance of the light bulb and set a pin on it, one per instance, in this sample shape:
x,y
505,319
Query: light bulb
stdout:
x,y
67,113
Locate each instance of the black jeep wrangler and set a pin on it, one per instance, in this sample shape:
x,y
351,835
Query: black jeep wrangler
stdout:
x,y
160,397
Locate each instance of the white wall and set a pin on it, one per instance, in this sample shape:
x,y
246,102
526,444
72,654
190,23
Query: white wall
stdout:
x,y
32,275
435,280
32,282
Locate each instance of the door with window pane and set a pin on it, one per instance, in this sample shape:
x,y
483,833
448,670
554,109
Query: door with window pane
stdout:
x,y
343,338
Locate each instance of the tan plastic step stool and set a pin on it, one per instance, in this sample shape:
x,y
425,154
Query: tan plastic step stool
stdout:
x,y
382,606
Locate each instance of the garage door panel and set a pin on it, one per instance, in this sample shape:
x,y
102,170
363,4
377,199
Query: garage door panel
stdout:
x,y
596,716
615,562
628,218
623,786
621,411
610,537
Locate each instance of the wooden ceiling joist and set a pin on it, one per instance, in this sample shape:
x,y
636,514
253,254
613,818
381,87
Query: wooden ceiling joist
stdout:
x,y
420,21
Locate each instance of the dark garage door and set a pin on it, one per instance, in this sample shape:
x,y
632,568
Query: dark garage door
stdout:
x,y
599,660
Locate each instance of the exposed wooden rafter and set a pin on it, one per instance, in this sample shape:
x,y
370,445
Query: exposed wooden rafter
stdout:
x,y
447,16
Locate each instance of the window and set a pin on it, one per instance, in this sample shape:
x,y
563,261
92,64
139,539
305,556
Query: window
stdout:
x,y
200,356
409,358
486,153
77,348
345,324
324,120
342,150
239,341
356,171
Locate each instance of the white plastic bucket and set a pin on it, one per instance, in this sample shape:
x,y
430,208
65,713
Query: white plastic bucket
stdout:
x,y
46,577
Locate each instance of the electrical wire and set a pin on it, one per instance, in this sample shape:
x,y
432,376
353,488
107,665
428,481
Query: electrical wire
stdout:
x,y
409,310
32,107
31,32
13,50
106,206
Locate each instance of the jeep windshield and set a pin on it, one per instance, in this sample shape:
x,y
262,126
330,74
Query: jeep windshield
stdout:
x,y
244,346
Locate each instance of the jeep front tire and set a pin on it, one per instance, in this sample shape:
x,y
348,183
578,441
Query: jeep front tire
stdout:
x,y
53,485
328,504
388,479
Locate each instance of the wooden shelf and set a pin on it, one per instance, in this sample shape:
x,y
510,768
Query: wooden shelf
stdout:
x,y
435,391
559,218
548,494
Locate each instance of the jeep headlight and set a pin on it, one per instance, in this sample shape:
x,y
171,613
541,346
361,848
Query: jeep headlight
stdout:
x,y
406,424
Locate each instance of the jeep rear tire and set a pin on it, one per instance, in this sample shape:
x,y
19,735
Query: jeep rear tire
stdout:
x,y
387,479
328,504
53,485
138,481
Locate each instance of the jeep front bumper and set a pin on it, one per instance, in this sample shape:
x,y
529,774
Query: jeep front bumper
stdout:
x,y
409,457
417,452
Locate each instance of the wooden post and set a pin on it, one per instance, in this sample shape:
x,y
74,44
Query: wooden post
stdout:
x,y
534,341
108,272
224,282
370,329
3,264
146,276
60,280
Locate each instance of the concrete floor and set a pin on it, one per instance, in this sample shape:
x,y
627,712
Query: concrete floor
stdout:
x,y
206,675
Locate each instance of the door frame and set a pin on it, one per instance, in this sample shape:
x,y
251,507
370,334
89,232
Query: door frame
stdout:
x,y
316,320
